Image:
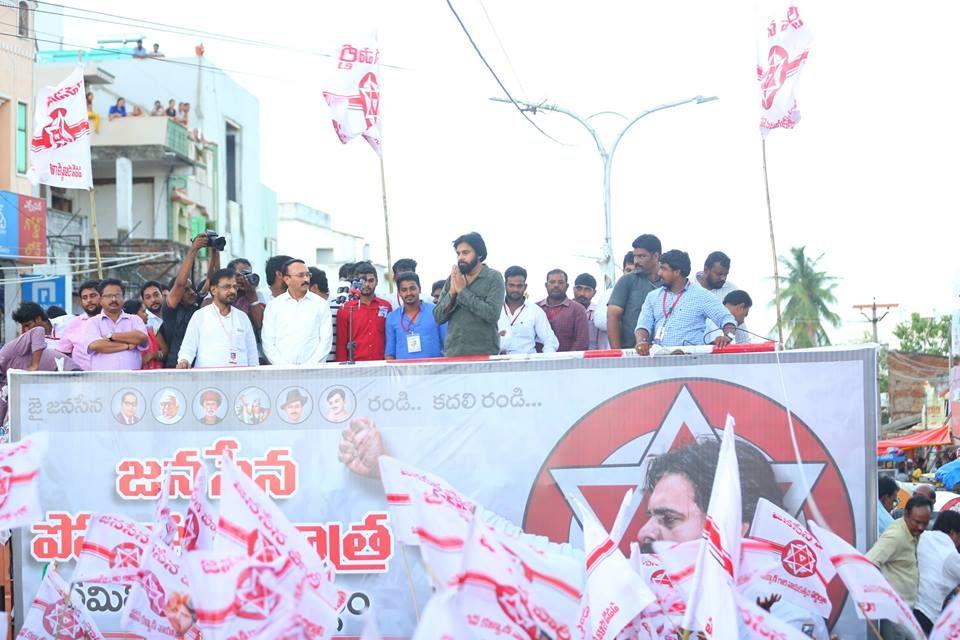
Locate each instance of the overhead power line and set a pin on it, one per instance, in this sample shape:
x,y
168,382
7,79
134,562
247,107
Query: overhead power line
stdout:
x,y
503,88
503,49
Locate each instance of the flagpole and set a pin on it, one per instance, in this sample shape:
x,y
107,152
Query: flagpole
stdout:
x,y
386,222
413,591
773,244
96,234
873,627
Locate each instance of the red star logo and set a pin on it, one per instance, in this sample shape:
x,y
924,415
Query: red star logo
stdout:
x,y
126,555
254,601
61,622
798,559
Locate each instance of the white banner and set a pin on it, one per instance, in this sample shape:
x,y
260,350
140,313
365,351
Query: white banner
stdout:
x,y
60,145
354,93
778,70
518,437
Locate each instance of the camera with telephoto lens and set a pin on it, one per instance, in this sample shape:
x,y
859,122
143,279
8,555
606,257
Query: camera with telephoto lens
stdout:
x,y
250,278
214,241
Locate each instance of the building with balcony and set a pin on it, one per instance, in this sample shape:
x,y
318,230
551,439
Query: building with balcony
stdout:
x,y
159,181
16,94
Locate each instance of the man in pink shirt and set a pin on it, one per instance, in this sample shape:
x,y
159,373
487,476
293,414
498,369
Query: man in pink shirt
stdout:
x,y
73,338
114,338
29,352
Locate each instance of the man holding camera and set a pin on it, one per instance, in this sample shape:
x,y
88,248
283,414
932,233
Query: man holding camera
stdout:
x,y
183,299
220,334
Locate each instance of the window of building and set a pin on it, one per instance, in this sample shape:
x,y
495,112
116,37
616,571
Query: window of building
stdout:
x,y
22,138
233,162
23,20
325,256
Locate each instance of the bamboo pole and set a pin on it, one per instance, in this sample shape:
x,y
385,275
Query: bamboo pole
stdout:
x,y
96,234
773,245
386,223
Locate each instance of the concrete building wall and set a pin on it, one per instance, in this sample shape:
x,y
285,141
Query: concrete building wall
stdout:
x,y
16,87
908,374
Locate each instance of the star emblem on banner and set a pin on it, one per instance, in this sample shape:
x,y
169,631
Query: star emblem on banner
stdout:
x,y
61,622
626,468
254,600
126,555
799,559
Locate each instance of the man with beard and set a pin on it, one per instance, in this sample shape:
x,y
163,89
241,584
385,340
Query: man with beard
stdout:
x,y
567,318
183,300
631,291
523,326
363,321
584,292
219,335
151,296
115,339
678,485
412,331
296,324
73,341
713,278
470,301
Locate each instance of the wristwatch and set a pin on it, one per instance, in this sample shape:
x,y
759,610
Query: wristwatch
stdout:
x,y
731,336
110,337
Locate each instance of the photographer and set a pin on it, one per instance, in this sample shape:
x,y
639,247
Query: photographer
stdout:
x,y
183,299
248,300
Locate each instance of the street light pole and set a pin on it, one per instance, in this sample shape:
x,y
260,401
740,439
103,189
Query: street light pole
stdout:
x,y
607,263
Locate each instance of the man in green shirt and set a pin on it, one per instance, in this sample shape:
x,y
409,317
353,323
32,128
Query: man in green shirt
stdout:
x,y
470,301
895,554
631,291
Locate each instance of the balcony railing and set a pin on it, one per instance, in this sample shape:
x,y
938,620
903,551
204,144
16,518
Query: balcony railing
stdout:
x,y
145,131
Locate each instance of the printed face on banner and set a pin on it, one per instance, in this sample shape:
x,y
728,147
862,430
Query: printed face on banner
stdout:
x,y
677,424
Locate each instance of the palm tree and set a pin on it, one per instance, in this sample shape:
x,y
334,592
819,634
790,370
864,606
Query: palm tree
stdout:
x,y
806,294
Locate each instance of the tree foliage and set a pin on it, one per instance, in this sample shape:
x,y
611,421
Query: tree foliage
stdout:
x,y
930,336
806,297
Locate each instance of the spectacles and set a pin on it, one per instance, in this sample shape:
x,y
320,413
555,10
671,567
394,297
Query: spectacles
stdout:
x,y
112,296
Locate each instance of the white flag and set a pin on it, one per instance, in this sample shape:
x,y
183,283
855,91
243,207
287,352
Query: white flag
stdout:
x,y
159,600
440,619
867,586
801,569
60,145
615,593
786,48
354,93
711,607
947,626
112,550
19,481
200,524
400,480
56,613
763,624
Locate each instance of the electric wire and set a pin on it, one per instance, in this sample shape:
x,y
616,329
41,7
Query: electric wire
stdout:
x,y
503,49
503,88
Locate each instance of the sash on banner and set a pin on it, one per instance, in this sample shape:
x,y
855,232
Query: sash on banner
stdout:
x,y
60,145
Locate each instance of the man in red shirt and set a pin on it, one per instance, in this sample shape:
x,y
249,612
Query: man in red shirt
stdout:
x,y
369,319
568,319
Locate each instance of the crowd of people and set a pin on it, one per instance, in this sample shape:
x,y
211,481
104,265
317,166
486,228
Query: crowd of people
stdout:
x,y
178,112
918,550
229,320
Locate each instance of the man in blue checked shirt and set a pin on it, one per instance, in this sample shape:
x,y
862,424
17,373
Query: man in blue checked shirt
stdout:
x,y
676,313
411,330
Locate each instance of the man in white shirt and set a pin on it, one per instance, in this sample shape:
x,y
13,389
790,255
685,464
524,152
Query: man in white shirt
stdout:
x,y
151,296
738,303
522,326
219,335
297,329
713,278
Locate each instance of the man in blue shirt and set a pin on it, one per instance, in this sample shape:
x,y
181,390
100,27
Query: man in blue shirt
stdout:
x,y
676,313
411,329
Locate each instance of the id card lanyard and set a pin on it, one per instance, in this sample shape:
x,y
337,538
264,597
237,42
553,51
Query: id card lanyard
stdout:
x,y
666,314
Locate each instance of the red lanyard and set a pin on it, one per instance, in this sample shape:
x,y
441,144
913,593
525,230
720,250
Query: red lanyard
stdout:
x,y
516,315
413,320
666,314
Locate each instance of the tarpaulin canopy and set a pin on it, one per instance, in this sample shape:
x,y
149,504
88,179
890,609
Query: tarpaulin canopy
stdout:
x,y
928,438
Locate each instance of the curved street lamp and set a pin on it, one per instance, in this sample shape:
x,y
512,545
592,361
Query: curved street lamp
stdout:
x,y
607,264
